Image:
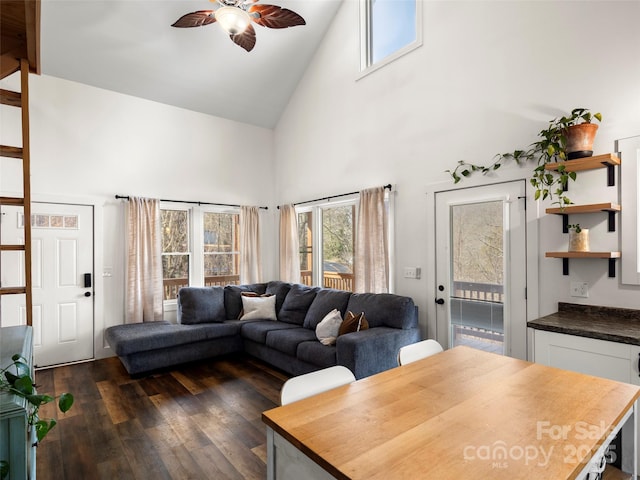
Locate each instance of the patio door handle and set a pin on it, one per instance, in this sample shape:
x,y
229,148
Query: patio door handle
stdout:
x,y
440,301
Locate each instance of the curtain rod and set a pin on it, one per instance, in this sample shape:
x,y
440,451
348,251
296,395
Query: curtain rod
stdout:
x,y
388,187
126,197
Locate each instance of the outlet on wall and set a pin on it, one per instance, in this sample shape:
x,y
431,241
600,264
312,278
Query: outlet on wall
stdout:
x,y
579,289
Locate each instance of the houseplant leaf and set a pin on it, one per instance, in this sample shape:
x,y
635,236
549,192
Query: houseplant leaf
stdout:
x,y
65,402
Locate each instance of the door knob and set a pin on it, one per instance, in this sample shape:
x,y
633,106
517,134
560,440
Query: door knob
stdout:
x,y
87,294
440,301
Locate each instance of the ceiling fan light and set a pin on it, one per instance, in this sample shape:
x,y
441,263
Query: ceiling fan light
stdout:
x,y
233,19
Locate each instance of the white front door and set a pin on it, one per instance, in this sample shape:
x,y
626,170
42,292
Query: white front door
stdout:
x,y
62,277
481,268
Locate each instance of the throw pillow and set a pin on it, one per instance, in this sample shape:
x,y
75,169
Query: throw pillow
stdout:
x,y
327,329
233,298
258,307
353,323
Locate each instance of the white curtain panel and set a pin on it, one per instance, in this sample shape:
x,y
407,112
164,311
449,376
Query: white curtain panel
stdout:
x,y
250,262
144,261
372,249
289,245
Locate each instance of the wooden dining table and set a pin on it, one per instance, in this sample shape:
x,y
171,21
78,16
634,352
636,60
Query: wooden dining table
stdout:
x,y
462,413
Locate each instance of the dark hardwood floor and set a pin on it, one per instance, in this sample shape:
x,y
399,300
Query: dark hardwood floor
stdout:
x,y
198,421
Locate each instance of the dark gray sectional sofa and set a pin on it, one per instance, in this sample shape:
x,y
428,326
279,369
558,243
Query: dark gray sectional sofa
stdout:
x,y
208,326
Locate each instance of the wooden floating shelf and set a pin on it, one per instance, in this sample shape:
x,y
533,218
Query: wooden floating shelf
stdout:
x,y
582,254
12,152
610,208
13,99
586,163
590,208
565,256
16,201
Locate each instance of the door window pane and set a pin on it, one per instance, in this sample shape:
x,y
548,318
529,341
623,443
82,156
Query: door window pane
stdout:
x,y
338,247
477,265
221,248
175,251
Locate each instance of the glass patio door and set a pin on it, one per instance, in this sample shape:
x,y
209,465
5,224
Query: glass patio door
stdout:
x,y
481,268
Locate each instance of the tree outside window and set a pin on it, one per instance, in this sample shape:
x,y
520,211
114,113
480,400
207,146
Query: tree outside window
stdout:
x,y
221,248
175,251
305,241
332,229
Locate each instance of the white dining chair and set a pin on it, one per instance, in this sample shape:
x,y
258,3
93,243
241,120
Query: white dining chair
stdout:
x,y
417,351
303,386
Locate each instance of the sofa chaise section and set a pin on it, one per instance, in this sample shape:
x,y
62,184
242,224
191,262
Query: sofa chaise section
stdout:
x,y
148,346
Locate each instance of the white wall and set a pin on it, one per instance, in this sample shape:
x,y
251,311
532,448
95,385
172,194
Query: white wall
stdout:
x,y
488,78
89,144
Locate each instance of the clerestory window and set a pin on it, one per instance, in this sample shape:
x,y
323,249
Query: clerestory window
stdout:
x,y
389,29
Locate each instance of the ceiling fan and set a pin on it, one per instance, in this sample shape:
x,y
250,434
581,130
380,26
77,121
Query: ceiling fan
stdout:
x,y
235,16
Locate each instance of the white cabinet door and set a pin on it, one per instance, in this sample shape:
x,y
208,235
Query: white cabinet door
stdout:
x,y
601,358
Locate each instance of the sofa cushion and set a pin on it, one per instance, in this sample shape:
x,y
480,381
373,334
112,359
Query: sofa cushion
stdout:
x,y
233,297
325,301
296,304
139,337
317,354
261,307
257,331
280,290
287,340
200,305
384,309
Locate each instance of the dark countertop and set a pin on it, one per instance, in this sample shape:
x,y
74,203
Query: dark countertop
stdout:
x,y
603,323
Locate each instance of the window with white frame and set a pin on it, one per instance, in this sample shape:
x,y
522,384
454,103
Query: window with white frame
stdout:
x,y
389,29
326,235
331,227
176,250
200,247
221,248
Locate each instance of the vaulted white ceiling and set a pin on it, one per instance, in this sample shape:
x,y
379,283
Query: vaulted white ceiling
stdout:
x,y
129,46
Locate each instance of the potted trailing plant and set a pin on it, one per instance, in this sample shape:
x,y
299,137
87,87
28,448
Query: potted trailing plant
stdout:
x,y
16,379
560,141
578,238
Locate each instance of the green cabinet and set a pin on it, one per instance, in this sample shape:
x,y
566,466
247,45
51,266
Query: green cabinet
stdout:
x,y
15,445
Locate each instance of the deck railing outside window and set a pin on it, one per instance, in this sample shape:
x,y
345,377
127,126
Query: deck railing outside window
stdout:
x,y
487,292
339,281
172,285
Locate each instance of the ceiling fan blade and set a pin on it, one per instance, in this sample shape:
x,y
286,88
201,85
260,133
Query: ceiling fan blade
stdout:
x,y
273,16
195,19
246,39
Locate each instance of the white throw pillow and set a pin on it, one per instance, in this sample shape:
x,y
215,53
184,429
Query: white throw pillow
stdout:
x,y
259,308
327,329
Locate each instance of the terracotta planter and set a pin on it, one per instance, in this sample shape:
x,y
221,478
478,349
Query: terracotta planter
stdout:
x,y
580,140
579,242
